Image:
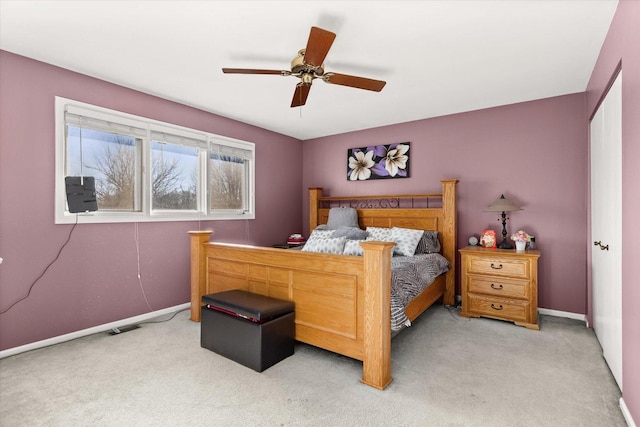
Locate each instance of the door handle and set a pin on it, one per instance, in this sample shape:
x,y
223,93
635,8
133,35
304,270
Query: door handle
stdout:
x,y
602,248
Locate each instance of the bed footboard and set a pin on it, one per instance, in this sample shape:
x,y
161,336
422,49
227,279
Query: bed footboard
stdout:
x,y
342,303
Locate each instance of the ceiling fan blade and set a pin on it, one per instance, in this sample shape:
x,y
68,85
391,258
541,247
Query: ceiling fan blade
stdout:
x,y
353,81
300,95
252,71
318,46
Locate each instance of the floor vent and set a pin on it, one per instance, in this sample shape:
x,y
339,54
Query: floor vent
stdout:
x,y
116,331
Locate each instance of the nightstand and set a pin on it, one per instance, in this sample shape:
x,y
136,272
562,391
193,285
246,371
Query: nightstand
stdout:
x,y
501,284
288,245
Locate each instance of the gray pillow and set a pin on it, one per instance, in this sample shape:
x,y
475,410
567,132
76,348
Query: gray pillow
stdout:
x,y
351,233
321,233
428,244
382,234
352,247
406,240
326,245
342,217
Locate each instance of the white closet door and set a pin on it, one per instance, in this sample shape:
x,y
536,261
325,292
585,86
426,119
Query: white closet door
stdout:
x,y
606,226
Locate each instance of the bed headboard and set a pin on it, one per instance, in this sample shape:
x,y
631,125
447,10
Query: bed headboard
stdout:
x,y
418,211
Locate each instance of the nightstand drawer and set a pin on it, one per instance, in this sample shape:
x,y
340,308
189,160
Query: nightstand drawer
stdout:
x,y
498,286
499,308
500,266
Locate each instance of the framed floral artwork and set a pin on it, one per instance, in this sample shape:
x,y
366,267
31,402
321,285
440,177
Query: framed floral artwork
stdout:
x,y
378,162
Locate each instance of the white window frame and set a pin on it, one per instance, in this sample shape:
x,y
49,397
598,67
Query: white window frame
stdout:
x,y
202,212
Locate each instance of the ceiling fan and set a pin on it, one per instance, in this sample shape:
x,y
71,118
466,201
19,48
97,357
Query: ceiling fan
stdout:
x,y
308,66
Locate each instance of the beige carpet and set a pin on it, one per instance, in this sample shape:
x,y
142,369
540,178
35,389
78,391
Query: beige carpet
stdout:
x,y
448,371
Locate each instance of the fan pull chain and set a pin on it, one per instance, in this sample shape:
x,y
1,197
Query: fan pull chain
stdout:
x,y
300,106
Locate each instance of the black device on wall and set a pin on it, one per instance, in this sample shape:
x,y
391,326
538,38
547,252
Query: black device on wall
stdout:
x,y
81,193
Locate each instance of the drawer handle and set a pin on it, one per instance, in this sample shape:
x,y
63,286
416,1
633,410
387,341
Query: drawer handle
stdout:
x,y
499,287
499,307
499,267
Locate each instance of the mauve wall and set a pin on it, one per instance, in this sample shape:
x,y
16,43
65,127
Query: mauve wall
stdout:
x,y
622,45
534,152
95,279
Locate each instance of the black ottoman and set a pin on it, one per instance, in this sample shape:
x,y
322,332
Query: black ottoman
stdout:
x,y
253,330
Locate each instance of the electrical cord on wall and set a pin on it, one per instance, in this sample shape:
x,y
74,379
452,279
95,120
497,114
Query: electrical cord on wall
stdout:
x,y
454,311
144,294
165,320
45,270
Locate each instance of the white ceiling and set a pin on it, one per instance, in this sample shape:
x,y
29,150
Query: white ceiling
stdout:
x,y
437,57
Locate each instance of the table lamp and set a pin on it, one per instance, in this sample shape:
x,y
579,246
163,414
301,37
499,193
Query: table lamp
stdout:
x,y
503,205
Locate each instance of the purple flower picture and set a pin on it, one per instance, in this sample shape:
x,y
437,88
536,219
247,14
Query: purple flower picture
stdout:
x,y
378,162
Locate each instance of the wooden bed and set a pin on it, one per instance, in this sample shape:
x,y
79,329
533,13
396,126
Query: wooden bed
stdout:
x,y
342,303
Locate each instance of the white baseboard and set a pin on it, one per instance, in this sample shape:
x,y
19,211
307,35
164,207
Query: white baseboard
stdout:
x,y
626,414
567,314
90,331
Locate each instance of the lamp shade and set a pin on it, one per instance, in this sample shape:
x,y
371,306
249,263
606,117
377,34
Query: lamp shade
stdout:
x,y
502,205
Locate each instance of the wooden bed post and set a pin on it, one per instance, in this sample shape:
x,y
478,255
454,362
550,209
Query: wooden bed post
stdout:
x,y
450,235
198,270
376,361
314,202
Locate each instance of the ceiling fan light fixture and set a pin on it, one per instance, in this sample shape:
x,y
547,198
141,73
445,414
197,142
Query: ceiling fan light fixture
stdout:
x,y
309,65
298,65
307,78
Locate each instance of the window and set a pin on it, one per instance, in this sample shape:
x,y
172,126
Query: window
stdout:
x,y
228,168
147,170
113,159
174,170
